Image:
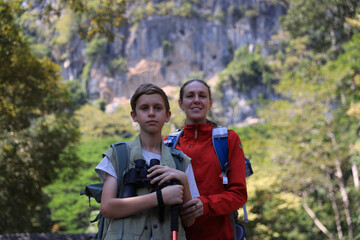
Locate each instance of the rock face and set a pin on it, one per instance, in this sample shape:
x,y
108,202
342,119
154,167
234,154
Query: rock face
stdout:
x,y
239,108
167,49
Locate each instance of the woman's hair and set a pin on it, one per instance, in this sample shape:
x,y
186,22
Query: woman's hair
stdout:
x,y
147,89
206,85
190,81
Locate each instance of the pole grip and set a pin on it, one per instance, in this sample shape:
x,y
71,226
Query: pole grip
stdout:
x,y
174,214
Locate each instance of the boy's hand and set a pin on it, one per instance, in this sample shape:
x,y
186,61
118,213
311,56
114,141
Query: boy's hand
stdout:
x,y
163,174
172,194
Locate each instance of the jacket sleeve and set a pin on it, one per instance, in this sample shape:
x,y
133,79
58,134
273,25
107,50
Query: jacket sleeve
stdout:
x,y
235,194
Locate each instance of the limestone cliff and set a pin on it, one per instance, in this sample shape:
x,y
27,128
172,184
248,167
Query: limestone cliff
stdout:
x,y
166,49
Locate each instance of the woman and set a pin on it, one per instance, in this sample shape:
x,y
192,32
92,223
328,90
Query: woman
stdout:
x,y
216,200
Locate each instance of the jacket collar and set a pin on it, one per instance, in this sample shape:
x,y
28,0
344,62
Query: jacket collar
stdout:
x,y
135,153
198,131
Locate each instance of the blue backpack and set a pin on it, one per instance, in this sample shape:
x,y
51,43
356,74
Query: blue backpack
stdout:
x,y
219,138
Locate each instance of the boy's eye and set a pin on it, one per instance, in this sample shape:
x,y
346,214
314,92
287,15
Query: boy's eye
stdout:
x,y
158,107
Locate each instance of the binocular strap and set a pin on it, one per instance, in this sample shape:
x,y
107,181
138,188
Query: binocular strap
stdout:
x,y
161,204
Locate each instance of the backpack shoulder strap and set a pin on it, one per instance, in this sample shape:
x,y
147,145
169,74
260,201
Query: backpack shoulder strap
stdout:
x,y
173,138
219,138
121,151
178,157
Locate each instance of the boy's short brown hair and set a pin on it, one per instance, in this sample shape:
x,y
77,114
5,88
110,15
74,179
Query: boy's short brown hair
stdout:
x,y
147,89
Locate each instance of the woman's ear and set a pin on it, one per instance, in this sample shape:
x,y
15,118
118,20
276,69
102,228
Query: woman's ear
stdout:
x,y
180,105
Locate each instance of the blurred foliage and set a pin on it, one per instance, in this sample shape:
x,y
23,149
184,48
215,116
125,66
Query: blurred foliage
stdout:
x,y
273,213
37,36
41,50
38,133
118,66
325,25
311,134
97,123
71,212
96,48
65,28
247,70
194,75
104,17
98,17
252,137
177,118
77,94
140,10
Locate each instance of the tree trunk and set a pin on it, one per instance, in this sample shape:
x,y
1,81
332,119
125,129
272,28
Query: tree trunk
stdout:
x,y
345,198
344,195
335,208
355,173
314,218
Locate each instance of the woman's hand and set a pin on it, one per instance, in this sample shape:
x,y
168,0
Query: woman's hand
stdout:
x,y
192,209
163,174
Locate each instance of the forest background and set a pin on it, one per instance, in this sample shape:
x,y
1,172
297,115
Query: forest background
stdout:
x,y
305,151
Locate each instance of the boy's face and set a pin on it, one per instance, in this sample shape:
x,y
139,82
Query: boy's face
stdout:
x,y
150,113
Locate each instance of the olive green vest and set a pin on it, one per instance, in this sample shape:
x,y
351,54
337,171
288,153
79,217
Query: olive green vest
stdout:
x,y
146,223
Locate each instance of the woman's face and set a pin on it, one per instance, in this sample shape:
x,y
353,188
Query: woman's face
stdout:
x,y
195,102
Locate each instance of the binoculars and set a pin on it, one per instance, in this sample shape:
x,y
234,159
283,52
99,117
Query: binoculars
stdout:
x,y
137,176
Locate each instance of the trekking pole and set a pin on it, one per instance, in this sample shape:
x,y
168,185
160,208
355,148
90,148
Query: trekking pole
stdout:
x,y
174,220
174,216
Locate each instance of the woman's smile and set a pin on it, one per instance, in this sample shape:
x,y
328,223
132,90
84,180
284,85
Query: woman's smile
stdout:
x,y
196,102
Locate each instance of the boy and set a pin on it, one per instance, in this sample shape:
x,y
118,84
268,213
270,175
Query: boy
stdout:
x,y
150,109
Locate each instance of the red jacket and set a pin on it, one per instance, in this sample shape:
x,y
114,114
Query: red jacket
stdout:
x,y
219,200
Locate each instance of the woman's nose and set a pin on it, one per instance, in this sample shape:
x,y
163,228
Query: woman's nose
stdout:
x,y
196,99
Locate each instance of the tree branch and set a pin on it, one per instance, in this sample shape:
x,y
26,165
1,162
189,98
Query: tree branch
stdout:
x,y
314,218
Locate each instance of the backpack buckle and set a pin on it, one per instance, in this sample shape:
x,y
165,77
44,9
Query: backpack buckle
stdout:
x,y
224,172
224,178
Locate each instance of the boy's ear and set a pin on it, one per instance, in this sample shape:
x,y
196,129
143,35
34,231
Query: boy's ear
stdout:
x,y
133,116
168,115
